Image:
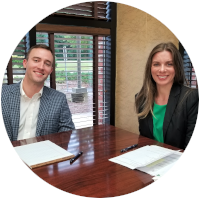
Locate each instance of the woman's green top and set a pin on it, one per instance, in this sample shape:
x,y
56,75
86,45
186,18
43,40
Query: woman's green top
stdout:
x,y
158,119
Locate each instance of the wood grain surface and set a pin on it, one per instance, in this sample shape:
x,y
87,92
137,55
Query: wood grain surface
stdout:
x,y
92,174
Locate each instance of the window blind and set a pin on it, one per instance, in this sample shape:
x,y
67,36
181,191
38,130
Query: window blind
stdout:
x,y
190,74
95,10
15,70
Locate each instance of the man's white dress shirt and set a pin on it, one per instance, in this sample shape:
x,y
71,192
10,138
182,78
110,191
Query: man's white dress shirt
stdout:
x,y
29,109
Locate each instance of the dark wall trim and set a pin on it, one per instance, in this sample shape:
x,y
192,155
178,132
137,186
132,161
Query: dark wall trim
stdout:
x,y
113,62
53,74
95,82
32,36
10,72
181,49
74,21
52,28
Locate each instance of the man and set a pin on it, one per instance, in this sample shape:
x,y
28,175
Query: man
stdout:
x,y
31,109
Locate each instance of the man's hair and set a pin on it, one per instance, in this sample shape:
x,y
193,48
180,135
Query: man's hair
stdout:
x,y
39,46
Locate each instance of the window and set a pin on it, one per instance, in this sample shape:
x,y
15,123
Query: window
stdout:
x,y
188,68
189,71
15,70
75,73
83,59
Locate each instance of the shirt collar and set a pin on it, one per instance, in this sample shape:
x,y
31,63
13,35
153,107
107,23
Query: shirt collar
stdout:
x,y
24,94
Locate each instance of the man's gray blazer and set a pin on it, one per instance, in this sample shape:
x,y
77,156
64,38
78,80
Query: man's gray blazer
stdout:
x,y
54,114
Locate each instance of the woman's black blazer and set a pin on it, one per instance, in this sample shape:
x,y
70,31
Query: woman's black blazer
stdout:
x,y
180,117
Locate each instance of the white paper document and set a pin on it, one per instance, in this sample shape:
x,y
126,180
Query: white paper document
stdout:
x,y
160,167
143,157
41,152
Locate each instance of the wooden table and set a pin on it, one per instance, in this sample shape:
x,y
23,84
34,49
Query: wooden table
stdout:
x,y
92,174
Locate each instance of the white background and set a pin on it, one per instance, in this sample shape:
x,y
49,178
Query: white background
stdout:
x,y
18,17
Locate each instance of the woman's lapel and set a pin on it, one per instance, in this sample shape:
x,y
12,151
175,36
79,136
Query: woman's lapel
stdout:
x,y
150,123
171,106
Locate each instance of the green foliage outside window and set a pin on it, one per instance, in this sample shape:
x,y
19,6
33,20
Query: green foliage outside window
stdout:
x,y
86,77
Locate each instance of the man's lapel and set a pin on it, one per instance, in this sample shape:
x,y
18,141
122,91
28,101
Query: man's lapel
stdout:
x,y
14,102
43,110
171,105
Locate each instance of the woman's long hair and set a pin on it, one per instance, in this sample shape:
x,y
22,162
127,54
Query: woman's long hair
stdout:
x,y
145,98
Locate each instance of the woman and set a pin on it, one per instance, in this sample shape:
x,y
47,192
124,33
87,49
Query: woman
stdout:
x,y
167,110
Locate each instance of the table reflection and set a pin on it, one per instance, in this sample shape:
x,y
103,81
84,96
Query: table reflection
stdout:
x,y
92,174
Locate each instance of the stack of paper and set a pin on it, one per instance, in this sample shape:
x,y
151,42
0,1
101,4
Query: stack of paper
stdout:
x,y
42,153
160,167
154,160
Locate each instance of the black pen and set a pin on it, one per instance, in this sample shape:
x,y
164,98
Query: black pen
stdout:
x,y
131,147
77,156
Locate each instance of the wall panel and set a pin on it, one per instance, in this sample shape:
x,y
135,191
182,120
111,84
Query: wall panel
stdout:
x,y
137,34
